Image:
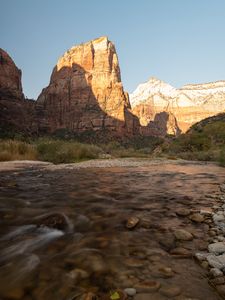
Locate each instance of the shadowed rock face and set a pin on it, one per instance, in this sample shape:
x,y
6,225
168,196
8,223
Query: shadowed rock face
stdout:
x,y
86,93
16,113
10,78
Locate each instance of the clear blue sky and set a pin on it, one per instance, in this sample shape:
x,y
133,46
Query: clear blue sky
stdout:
x,y
178,41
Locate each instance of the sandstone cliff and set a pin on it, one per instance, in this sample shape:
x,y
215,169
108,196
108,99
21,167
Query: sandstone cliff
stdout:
x,y
85,92
10,78
189,104
16,113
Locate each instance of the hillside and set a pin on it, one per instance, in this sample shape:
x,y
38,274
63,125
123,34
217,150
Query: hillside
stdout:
x,y
204,141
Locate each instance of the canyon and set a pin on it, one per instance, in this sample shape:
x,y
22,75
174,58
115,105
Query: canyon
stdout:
x,y
86,94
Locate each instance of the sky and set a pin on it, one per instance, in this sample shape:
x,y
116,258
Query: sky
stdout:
x,y
178,41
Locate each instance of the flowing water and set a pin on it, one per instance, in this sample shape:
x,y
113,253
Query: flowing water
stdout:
x,y
63,232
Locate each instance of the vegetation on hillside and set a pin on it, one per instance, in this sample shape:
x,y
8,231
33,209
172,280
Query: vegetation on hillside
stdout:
x,y
204,141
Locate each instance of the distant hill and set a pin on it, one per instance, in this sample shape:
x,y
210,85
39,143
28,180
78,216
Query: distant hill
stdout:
x,y
204,141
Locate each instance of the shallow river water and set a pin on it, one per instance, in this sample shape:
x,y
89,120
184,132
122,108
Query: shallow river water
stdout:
x,y
64,235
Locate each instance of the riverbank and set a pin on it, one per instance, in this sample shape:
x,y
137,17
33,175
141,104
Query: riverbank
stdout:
x,y
96,163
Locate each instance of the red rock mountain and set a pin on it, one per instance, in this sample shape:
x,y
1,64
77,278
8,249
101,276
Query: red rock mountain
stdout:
x,y
16,113
10,78
85,92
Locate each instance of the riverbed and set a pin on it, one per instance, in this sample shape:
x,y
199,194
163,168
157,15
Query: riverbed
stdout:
x,y
91,230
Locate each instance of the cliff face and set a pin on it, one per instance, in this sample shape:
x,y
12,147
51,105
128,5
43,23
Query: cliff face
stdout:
x,y
16,113
10,78
189,104
86,93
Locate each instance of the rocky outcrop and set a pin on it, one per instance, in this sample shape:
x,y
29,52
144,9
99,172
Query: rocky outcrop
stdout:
x,y
85,92
188,105
10,78
16,113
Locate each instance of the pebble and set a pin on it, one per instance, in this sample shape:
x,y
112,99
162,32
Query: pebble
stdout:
x,y
206,211
148,286
183,235
181,252
130,291
183,212
222,187
205,265
132,222
212,233
201,256
198,218
217,248
215,272
77,274
216,261
218,218
170,291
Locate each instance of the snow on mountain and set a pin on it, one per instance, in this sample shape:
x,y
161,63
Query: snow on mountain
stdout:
x,y
208,95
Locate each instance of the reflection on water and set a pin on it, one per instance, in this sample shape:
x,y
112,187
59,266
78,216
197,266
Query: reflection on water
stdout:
x,y
63,233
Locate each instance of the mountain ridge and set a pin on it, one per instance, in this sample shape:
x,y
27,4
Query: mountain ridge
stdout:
x,y
189,104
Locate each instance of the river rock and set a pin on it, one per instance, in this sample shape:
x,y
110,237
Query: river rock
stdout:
x,y
170,291
198,218
147,286
218,218
54,220
167,241
162,272
216,261
201,256
132,222
180,252
183,212
183,235
215,272
77,274
217,248
222,187
130,291
207,211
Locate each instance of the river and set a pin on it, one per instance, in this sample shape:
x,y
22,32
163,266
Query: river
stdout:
x,y
65,231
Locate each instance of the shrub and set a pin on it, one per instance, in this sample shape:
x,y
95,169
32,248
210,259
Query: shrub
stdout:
x,y
58,151
17,150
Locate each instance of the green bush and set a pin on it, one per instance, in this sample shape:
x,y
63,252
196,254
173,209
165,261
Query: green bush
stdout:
x,y
59,151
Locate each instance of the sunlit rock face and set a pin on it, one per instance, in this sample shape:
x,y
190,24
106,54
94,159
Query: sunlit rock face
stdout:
x,y
86,93
188,105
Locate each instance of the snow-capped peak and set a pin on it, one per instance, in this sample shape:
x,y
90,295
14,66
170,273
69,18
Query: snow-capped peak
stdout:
x,y
153,86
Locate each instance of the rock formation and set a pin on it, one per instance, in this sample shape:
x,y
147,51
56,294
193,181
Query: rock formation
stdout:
x,y
15,112
10,78
188,105
85,92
